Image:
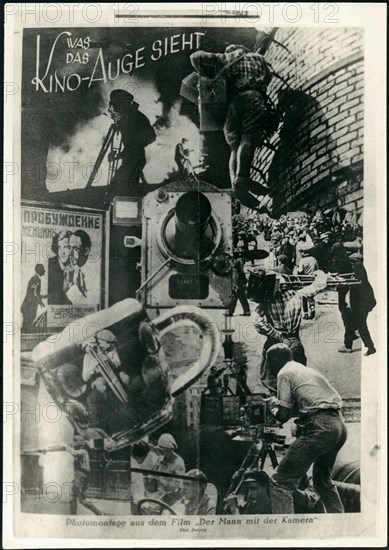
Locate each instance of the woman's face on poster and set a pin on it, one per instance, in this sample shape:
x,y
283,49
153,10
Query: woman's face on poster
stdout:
x,y
64,250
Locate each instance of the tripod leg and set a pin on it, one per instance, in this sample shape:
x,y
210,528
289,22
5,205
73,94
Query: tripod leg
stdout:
x,y
273,458
243,387
113,170
107,141
263,458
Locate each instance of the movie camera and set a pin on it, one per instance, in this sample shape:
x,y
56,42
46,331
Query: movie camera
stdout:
x,y
265,283
258,412
186,247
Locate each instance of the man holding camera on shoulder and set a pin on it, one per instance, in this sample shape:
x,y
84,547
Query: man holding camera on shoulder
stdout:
x,y
279,314
304,393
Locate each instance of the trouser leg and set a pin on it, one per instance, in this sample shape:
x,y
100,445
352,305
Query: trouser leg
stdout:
x,y
262,366
361,325
232,305
347,318
312,307
324,435
245,156
322,480
342,293
232,165
298,351
349,327
285,481
245,188
243,300
76,493
127,178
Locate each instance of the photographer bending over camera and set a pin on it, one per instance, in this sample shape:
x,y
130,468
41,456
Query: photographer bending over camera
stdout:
x,y
305,393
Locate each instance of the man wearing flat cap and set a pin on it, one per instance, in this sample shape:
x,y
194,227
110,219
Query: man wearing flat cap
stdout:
x,y
169,489
253,495
137,133
279,313
195,501
362,301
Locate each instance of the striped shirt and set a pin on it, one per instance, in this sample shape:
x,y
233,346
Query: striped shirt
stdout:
x,y
281,316
249,73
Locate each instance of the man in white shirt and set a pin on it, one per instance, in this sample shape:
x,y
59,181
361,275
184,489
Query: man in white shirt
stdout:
x,y
169,489
145,458
304,393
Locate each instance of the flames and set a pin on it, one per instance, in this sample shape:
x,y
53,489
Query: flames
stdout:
x,y
170,130
69,166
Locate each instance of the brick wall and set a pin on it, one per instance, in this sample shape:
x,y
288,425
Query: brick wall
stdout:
x,y
318,159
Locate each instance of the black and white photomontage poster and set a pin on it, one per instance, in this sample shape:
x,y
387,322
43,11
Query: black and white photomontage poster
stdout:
x,y
194,275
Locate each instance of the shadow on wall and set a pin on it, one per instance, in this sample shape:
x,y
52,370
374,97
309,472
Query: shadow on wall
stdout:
x,y
304,155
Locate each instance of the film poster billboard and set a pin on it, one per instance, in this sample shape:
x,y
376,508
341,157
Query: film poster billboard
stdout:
x,y
62,268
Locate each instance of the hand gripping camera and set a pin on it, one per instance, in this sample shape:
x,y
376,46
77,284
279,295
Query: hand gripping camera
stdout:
x,y
187,247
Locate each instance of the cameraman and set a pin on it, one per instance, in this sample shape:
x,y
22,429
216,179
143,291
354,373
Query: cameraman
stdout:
x,y
279,313
136,133
303,392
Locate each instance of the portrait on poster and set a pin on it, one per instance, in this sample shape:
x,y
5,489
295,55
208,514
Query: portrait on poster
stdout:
x,y
63,265
200,295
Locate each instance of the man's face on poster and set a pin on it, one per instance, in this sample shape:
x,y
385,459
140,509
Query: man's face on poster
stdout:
x,y
63,250
78,251
75,246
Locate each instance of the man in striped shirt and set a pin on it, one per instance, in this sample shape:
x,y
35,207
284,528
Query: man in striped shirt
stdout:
x,y
247,76
278,316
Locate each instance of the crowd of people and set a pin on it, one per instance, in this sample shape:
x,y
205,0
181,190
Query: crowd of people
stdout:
x,y
304,244
288,235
